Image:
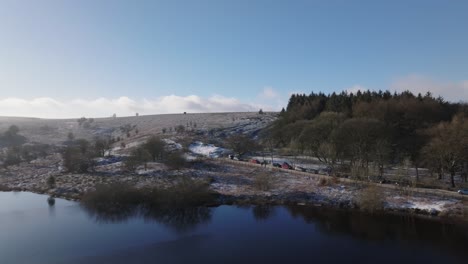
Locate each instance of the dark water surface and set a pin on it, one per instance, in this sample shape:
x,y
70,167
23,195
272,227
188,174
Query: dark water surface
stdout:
x,y
31,232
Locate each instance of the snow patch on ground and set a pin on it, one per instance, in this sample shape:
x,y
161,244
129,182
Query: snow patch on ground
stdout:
x,y
128,145
207,150
427,206
423,204
281,160
172,145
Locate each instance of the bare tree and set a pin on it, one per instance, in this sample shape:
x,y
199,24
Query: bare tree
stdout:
x,y
138,156
448,146
102,146
241,144
155,147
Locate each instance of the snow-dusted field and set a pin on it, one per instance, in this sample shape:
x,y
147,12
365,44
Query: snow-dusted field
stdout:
x,y
55,131
231,180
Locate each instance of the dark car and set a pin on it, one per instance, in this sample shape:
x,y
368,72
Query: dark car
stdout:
x,y
238,158
277,165
255,161
300,169
463,191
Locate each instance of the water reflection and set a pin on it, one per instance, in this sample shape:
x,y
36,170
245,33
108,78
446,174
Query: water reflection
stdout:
x,y
51,201
109,215
263,212
383,227
226,234
180,220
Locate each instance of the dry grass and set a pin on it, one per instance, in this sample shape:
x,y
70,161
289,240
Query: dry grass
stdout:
x,y
335,180
465,211
185,192
371,199
358,173
324,182
4,188
264,181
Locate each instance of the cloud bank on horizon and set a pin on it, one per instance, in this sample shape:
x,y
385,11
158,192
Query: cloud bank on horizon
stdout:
x,y
268,99
47,107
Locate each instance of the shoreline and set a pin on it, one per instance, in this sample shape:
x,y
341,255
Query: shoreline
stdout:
x,y
305,200
235,183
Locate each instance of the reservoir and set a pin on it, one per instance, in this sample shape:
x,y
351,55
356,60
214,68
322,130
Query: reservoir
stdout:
x,y
33,231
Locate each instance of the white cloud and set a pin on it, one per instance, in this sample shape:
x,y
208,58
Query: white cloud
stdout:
x,y
355,88
269,99
123,106
268,93
451,91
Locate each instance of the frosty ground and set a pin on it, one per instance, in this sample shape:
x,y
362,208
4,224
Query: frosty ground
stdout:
x,y
234,182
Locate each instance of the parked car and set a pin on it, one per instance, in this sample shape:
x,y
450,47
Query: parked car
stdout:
x,y
463,191
277,165
325,171
255,161
286,166
300,169
238,158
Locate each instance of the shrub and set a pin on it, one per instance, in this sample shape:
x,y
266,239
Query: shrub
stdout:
x,y
324,182
13,156
186,192
70,136
176,161
138,156
77,157
358,172
51,182
4,188
371,199
155,147
87,125
33,151
179,129
81,120
102,145
264,181
11,138
335,180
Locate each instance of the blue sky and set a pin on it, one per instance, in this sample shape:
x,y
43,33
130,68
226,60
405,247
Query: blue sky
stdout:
x,y
246,54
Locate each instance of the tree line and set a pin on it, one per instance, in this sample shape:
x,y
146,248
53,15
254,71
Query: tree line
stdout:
x,y
361,133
